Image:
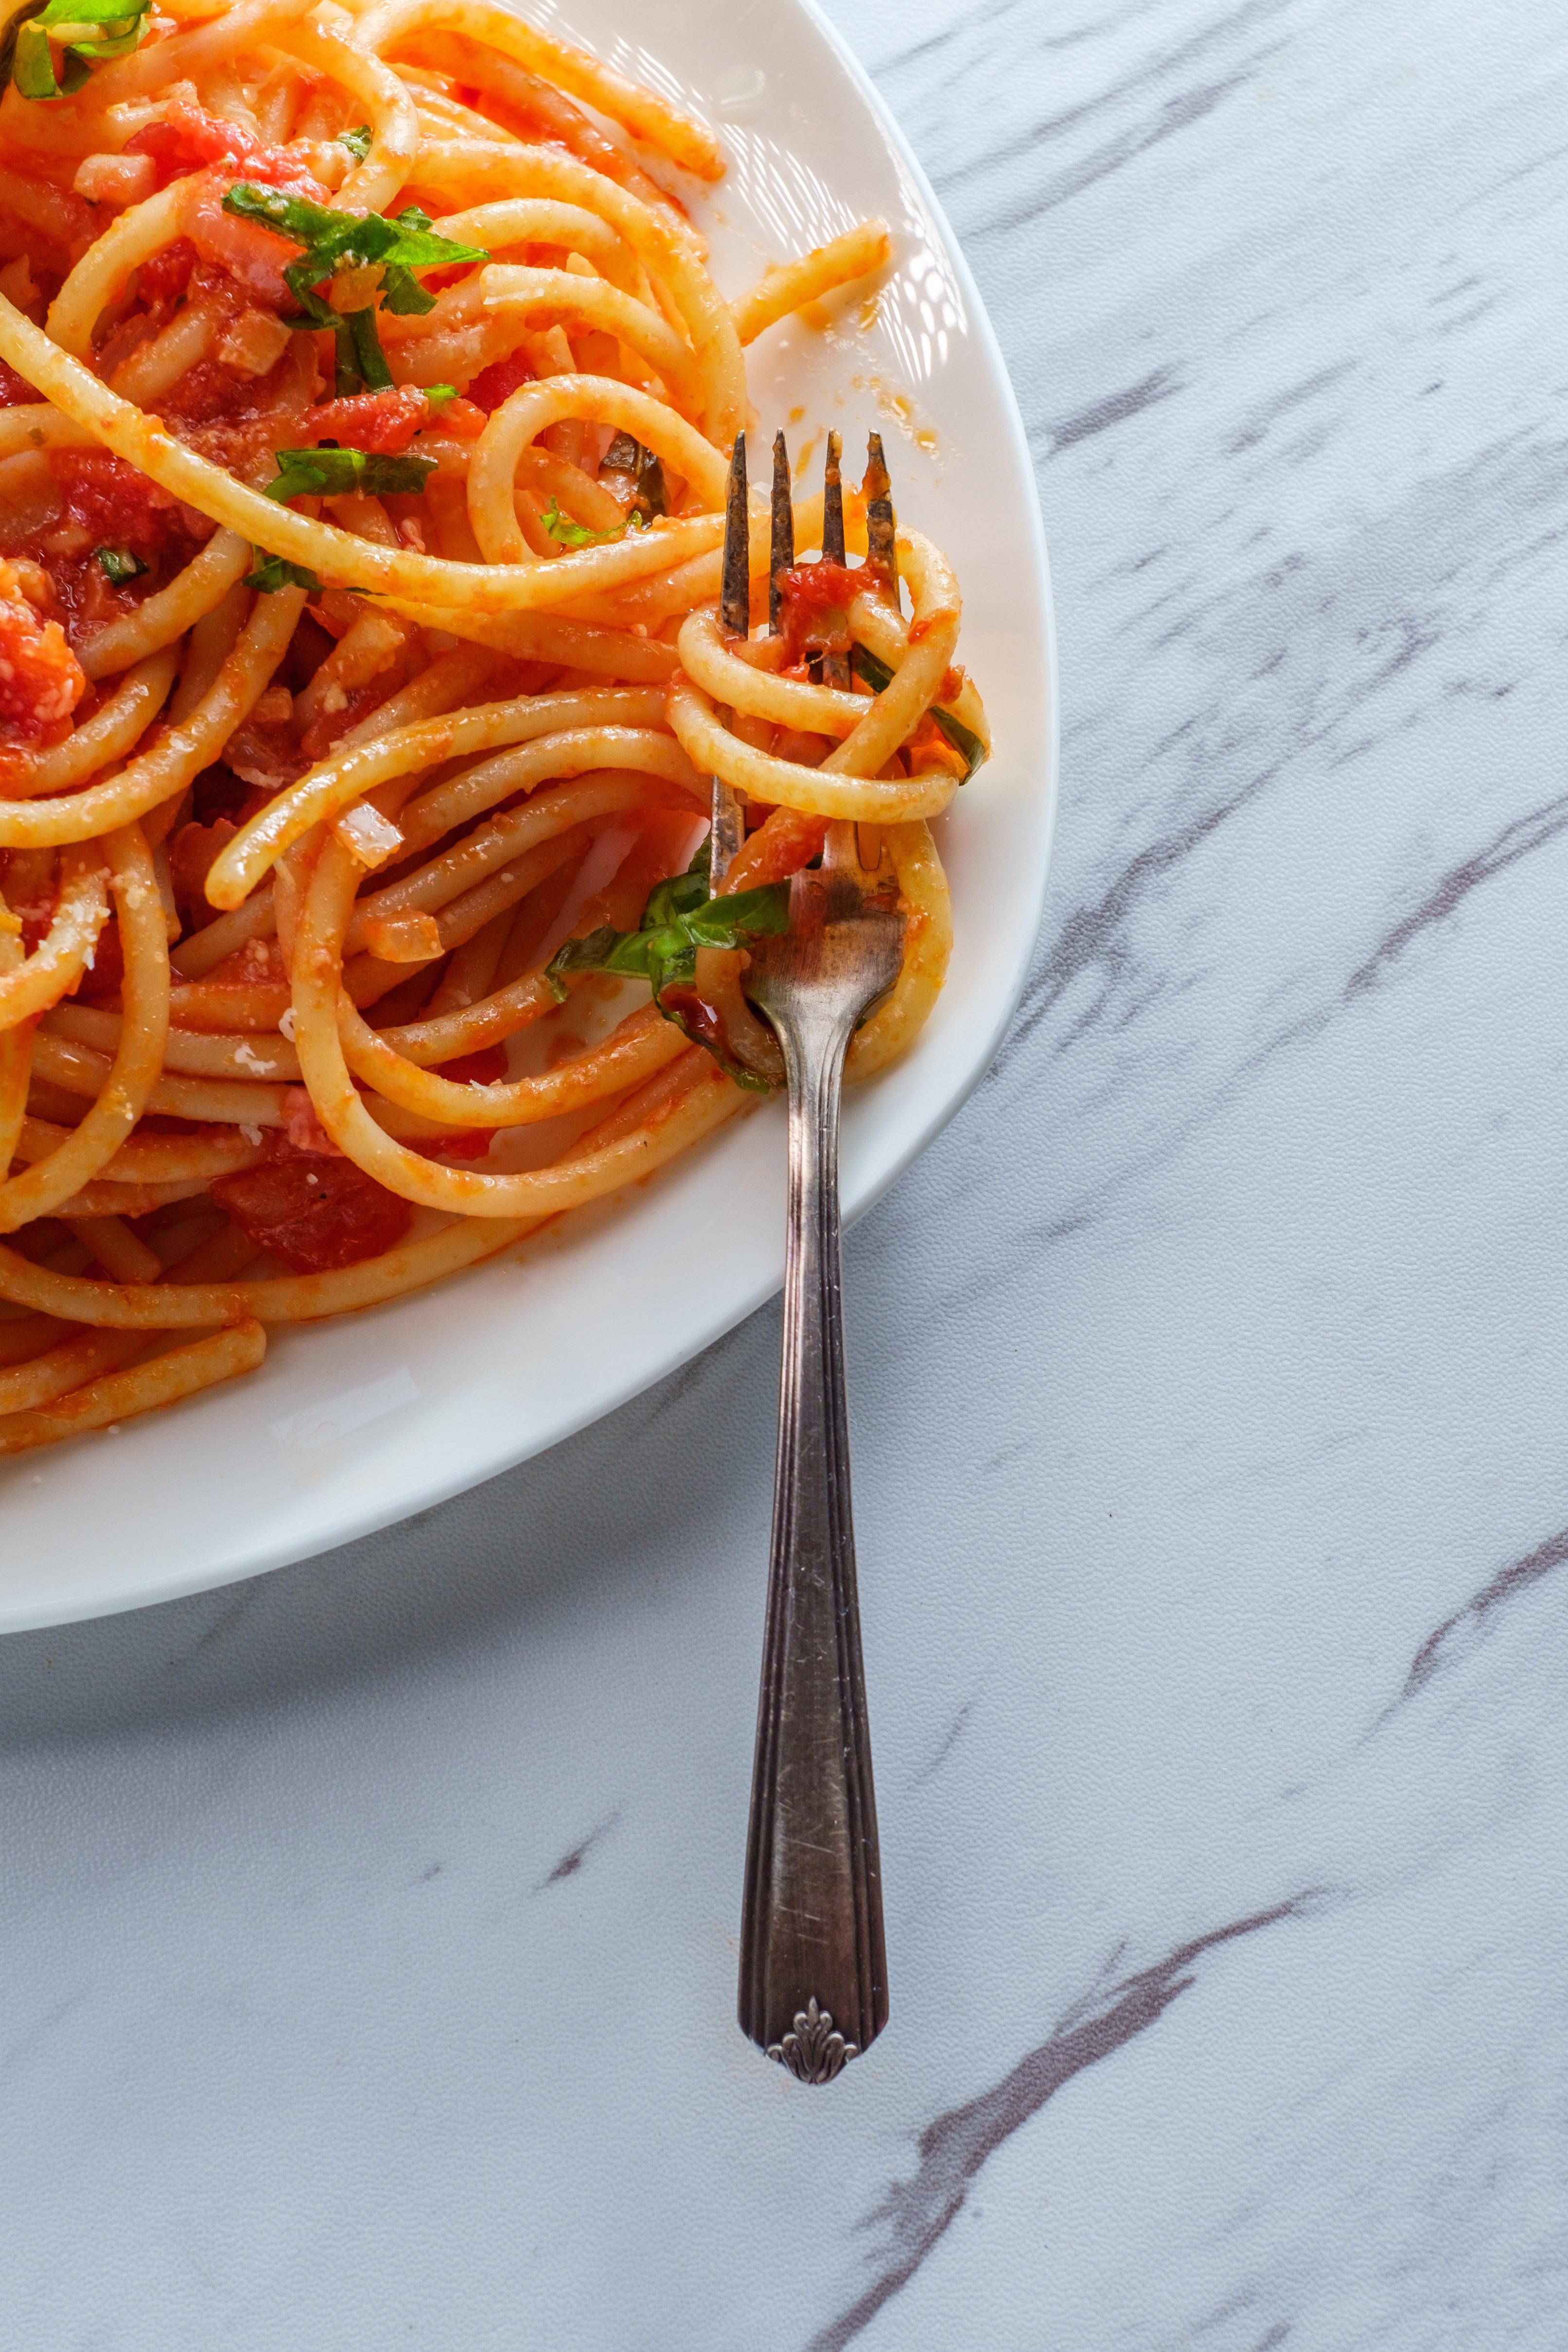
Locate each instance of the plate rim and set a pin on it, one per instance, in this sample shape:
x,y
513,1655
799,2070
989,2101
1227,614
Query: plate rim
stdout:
x,y
352,1525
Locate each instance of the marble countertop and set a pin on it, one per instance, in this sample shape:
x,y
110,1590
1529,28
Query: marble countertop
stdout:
x,y
368,1931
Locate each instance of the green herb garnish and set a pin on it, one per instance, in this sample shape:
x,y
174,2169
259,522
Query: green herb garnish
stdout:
x,y
274,571
118,565
356,141
335,242
567,533
439,394
679,918
333,473
965,741
87,30
339,241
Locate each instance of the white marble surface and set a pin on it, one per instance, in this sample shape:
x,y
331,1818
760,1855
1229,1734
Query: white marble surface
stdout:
x,y
367,1933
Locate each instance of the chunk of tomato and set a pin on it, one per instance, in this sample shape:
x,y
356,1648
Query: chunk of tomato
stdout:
x,y
187,138
312,1213
815,608
41,681
499,382
121,508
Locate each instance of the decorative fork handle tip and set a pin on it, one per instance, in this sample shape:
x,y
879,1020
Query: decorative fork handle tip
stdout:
x,y
814,2051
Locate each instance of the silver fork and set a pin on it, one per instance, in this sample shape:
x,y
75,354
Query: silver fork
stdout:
x,y
813,1972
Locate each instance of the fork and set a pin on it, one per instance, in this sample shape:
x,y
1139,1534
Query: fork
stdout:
x,y
812,1989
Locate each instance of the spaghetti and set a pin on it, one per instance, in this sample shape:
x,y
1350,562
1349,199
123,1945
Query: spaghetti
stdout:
x,y
366,414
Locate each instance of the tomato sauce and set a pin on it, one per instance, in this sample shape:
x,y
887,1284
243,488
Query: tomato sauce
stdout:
x,y
188,138
499,382
164,276
484,1067
789,840
119,508
103,979
313,1212
815,612
193,850
41,681
382,424
714,1009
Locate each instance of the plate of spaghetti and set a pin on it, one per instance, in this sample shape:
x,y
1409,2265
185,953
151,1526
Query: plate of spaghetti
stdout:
x,y
379,1096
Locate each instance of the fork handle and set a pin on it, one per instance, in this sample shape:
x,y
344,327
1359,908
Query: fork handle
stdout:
x,y
813,1960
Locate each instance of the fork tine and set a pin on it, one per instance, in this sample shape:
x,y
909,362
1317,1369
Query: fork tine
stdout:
x,y
735,604
833,667
833,503
728,824
881,525
782,558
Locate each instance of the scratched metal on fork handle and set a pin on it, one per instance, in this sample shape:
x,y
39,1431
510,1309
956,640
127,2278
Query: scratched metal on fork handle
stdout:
x,y
814,1976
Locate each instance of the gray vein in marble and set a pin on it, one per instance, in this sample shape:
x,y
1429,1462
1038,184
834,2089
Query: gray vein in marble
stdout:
x,y
1114,409
997,19
955,2146
1506,848
1173,114
1023,22
1177,114
1456,1638
1315,635
1095,942
572,1862
1253,430
40,2029
231,1614
946,1744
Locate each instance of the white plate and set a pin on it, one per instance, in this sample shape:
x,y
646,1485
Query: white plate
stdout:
x,y
350,1426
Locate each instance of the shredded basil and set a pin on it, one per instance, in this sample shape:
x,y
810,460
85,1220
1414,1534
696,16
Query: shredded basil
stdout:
x,y
337,242
118,565
356,141
333,473
567,533
679,918
965,741
274,571
28,56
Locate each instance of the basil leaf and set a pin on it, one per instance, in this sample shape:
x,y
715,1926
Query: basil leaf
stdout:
x,y
8,38
348,240
94,12
274,571
567,533
359,361
439,394
334,242
402,293
333,473
118,565
33,65
965,741
676,899
28,58
664,949
356,141
679,918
